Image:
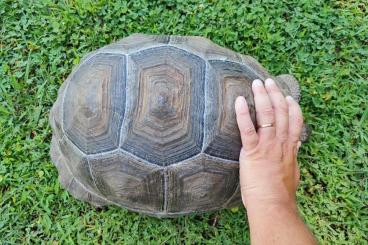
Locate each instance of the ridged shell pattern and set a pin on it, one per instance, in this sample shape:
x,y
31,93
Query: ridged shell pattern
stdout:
x,y
148,123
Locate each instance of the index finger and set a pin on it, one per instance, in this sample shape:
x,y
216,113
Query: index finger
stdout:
x,y
248,133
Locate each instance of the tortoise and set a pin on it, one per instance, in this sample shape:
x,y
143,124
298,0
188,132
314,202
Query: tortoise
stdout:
x,y
148,123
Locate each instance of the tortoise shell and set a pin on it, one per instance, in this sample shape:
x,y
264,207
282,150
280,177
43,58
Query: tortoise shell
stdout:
x,y
148,123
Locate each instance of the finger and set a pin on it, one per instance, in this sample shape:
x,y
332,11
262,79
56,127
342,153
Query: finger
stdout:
x,y
248,133
280,107
264,111
295,120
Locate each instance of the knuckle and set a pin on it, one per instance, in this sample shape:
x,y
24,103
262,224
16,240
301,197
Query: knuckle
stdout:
x,y
251,142
282,137
249,130
243,113
280,111
291,146
294,138
282,108
266,112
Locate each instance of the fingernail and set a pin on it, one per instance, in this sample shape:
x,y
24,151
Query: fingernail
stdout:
x,y
240,103
269,82
257,83
289,98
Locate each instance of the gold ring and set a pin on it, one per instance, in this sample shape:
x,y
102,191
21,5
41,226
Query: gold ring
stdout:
x,y
266,125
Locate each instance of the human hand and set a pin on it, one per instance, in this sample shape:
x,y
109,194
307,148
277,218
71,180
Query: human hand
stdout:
x,y
269,174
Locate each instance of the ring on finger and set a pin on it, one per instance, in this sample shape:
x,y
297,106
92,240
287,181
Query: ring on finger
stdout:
x,y
266,125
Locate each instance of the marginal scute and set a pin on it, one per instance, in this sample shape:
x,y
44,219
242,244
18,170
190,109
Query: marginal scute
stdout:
x,y
201,183
292,84
263,74
55,117
164,119
129,182
204,48
95,102
73,171
255,67
137,42
77,163
227,81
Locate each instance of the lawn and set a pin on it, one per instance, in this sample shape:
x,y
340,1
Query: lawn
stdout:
x,y
323,43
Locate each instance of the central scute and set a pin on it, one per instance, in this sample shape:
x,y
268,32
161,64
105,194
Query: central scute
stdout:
x,y
162,103
165,105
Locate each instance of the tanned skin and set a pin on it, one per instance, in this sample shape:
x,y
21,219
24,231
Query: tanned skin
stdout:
x,y
269,172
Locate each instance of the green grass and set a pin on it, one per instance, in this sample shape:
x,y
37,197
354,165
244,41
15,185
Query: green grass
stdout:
x,y
323,43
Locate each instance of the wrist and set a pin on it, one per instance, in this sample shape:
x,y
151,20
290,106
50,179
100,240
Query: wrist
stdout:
x,y
261,206
277,222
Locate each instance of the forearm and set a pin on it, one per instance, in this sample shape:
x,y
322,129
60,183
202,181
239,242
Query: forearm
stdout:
x,y
277,224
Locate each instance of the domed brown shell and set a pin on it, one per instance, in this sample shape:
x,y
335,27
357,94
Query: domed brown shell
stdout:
x,y
148,123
